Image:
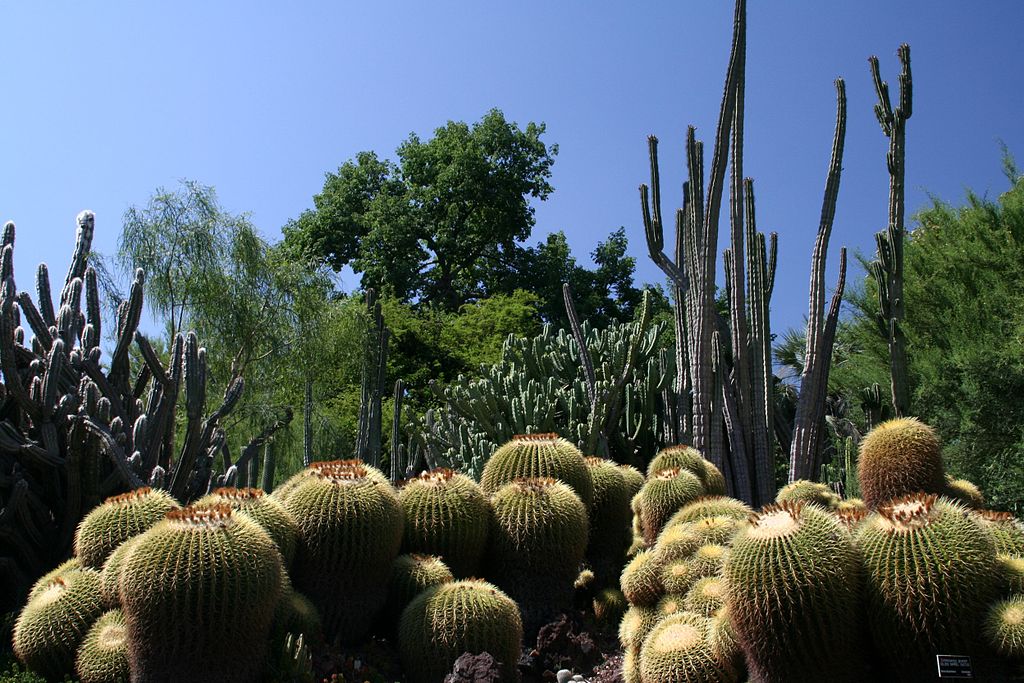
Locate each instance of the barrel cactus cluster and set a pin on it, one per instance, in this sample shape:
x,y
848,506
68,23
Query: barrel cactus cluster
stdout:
x,y
814,587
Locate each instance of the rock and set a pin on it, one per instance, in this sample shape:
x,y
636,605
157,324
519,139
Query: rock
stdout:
x,y
471,668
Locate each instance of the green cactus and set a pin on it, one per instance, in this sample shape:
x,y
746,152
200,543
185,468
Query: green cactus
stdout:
x,y
53,623
539,455
610,516
631,665
708,560
679,649
198,591
663,494
43,582
706,530
788,566
852,518
669,604
636,624
103,655
538,538
110,575
724,643
1011,573
296,615
677,575
930,573
118,519
810,492
634,479
690,459
1005,530
965,492
851,504
609,605
411,575
641,580
444,621
706,596
710,506
350,523
1004,628
897,458
263,510
446,514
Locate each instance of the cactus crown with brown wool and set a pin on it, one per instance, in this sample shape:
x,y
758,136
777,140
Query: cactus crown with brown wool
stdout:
x,y
810,492
213,569
263,510
539,455
691,460
930,572
1005,530
788,567
116,520
898,458
350,524
665,492
446,514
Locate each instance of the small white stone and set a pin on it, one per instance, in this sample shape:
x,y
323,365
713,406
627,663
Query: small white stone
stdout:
x,y
563,676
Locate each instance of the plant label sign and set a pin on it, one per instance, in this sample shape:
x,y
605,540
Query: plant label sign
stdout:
x,y
954,666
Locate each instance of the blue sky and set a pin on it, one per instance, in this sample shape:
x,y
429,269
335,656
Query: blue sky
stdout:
x,y
104,102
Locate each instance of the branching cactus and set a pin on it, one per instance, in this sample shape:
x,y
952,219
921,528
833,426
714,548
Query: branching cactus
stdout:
x,y
76,428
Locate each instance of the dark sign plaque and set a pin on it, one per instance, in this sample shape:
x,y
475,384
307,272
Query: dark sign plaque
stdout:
x,y
954,666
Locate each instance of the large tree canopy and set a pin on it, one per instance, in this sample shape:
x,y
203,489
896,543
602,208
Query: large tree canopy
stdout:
x,y
441,225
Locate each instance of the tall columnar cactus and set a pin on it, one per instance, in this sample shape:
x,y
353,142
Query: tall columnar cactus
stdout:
x,y
805,455
375,357
887,270
81,427
198,592
447,620
446,514
897,458
538,539
794,598
930,573
350,524
118,519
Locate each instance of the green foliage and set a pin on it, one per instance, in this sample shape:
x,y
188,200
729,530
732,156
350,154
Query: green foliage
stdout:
x,y
441,224
964,280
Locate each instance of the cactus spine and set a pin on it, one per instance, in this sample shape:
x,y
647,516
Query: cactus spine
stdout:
x,y
118,519
539,455
897,458
263,510
610,515
103,655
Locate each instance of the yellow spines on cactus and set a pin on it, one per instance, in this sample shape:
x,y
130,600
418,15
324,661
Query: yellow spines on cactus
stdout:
x,y
689,459
897,458
1004,628
411,575
641,579
103,655
663,494
965,492
536,456
1011,573
263,510
708,560
198,591
707,596
710,506
446,620
110,575
1005,530
633,477
538,539
810,492
669,604
446,514
610,515
116,520
788,567
636,624
350,525
296,615
609,605
679,650
54,622
930,572
631,665
42,582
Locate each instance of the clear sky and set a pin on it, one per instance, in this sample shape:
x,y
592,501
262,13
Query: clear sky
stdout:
x,y
105,101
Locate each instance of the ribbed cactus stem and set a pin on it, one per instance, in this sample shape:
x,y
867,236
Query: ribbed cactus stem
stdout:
x,y
888,269
804,451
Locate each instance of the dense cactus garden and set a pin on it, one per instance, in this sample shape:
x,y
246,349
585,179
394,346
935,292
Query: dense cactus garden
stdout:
x,y
597,506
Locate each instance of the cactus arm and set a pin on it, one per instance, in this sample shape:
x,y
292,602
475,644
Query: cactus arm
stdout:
x,y
653,229
887,270
86,221
828,341
809,412
397,470
581,343
114,451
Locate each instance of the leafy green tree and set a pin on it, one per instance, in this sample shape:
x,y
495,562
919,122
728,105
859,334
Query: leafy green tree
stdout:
x,y
440,225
